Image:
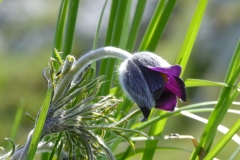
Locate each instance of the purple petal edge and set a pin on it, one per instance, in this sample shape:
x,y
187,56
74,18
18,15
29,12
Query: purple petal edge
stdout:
x,y
177,87
172,70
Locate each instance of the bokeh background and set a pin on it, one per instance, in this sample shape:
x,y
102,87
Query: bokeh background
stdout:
x,y
26,40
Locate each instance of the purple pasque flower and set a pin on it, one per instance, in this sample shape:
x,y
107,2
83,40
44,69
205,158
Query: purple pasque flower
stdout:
x,y
150,81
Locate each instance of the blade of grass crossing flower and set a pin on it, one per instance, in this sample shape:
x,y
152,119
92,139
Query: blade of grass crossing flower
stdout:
x,y
99,25
155,130
70,27
39,125
226,138
108,68
225,100
191,35
135,25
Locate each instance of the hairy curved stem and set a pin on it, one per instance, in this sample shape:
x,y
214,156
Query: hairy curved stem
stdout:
x,y
84,61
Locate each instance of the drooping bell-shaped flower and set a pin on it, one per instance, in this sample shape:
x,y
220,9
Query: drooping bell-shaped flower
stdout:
x,y
150,81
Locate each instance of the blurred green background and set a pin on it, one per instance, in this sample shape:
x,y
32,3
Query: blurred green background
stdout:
x,y
26,37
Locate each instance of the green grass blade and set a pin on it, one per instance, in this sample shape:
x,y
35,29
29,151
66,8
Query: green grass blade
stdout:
x,y
99,25
135,25
39,125
121,13
226,138
114,145
126,138
157,25
155,130
95,41
202,83
152,25
125,28
189,108
113,38
141,150
55,146
111,23
233,156
70,27
44,156
234,67
16,123
141,126
191,35
59,150
108,40
59,31
225,100
58,38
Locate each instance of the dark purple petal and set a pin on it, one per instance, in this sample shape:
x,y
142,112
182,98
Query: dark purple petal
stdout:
x,y
154,81
176,86
167,101
157,93
173,70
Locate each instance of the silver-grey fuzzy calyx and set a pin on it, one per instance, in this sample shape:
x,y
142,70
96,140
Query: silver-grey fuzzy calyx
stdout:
x,y
133,81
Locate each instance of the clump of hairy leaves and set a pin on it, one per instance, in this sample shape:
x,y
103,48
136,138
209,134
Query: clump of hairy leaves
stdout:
x,y
78,120
79,124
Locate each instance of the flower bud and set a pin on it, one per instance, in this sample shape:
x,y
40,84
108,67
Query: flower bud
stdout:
x,y
150,81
